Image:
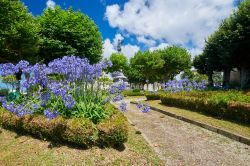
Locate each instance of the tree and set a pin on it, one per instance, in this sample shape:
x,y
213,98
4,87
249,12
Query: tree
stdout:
x,y
66,32
176,59
18,32
228,46
149,64
193,76
119,61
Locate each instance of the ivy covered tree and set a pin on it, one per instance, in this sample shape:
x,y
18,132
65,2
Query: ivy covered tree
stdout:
x,y
66,32
119,61
18,32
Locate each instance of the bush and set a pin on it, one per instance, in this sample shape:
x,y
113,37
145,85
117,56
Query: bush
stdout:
x,y
132,93
113,131
230,105
79,131
136,90
153,96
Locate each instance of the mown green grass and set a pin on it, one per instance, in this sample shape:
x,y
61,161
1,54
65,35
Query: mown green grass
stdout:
x,y
25,150
234,127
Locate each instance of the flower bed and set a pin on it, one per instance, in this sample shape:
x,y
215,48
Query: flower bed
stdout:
x,y
228,105
64,101
79,131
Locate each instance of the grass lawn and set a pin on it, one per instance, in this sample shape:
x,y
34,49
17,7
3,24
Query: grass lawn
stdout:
x,y
25,150
237,128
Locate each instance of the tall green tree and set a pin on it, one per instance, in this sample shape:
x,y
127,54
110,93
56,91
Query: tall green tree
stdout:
x,y
119,61
176,59
228,46
18,32
66,32
149,64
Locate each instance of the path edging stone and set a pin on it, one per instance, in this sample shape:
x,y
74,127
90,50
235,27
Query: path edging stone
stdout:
x,y
220,131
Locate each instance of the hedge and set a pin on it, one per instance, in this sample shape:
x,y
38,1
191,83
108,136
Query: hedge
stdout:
x,y
215,106
135,92
79,131
153,96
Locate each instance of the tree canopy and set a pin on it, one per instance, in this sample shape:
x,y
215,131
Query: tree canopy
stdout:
x,y
18,32
119,61
66,32
176,59
228,46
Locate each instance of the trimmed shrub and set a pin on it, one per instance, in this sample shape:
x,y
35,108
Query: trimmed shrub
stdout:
x,y
153,96
136,90
132,93
218,105
113,131
79,131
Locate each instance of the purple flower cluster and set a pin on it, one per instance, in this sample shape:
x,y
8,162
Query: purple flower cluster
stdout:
x,y
117,88
175,86
19,110
50,115
75,68
123,107
118,97
143,107
11,69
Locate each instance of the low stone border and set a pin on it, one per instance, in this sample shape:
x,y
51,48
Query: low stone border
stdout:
x,y
223,132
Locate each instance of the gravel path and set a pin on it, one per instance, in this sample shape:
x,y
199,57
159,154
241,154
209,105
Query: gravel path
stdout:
x,y
181,143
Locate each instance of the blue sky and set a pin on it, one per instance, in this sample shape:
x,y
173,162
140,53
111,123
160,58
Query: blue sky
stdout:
x,y
148,24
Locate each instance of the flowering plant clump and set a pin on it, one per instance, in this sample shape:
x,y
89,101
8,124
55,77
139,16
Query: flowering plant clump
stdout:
x,y
175,86
143,107
67,86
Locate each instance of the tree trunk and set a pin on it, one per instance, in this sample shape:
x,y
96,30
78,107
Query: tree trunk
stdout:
x,y
244,76
210,79
226,77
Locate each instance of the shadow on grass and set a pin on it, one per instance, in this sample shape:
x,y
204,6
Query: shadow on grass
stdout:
x,y
57,144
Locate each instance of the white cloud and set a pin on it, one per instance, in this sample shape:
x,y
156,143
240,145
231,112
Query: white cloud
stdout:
x,y
50,4
177,22
195,51
108,48
128,50
148,42
160,46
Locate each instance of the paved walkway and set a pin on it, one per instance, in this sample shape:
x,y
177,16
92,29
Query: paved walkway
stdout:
x,y
181,143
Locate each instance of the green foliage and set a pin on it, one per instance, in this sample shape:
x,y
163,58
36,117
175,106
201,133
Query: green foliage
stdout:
x,y
113,131
136,90
193,76
149,64
176,59
232,105
65,32
132,93
119,61
19,37
228,46
79,131
153,96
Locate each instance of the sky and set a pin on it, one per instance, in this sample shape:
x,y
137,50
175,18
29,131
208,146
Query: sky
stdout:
x,y
148,24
